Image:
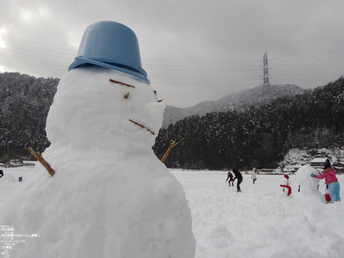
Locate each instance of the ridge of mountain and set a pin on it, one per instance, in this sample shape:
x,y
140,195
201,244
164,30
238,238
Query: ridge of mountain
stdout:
x,y
256,96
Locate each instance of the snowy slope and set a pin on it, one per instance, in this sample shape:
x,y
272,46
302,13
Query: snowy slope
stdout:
x,y
244,98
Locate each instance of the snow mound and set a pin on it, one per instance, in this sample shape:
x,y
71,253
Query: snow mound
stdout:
x,y
7,178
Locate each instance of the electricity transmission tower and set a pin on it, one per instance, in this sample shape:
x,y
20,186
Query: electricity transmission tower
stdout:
x,y
266,82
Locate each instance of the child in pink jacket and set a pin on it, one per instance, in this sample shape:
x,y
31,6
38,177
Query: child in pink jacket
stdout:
x,y
331,180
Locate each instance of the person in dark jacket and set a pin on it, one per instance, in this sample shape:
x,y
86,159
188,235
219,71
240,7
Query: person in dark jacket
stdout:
x,y
238,176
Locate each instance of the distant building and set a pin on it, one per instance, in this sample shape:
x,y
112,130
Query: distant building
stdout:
x,y
339,167
29,163
15,163
318,163
292,168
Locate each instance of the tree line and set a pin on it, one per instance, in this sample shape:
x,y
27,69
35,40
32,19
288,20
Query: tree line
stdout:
x,y
254,136
25,102
257,136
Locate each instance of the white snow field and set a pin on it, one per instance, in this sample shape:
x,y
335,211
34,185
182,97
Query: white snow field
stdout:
x,y
261,221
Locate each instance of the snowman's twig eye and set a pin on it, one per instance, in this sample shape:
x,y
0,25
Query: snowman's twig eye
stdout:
x,y
122,83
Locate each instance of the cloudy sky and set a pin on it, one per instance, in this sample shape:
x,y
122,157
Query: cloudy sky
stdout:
x,y
192,50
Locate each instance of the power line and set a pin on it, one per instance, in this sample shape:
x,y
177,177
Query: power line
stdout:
x,y
309,56
309,49
35,62
297,75
36,44
320,62
185,71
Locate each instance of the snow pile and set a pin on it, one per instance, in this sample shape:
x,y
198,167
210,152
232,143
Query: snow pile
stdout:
x,y
110,196
8,183
6,179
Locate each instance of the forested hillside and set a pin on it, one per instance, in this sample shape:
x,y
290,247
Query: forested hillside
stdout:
x,y
236,101
25,102
257,136
252,136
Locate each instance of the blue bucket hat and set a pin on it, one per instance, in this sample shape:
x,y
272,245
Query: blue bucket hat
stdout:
x,y
111,45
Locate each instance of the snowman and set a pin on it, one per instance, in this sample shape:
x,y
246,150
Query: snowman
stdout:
x,y
110,196
308,186
306,182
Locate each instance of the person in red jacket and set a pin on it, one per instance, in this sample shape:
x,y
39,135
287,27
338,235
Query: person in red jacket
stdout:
x,y
331,180
230,176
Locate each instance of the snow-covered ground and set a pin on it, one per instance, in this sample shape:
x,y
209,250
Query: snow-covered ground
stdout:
x,y
259,222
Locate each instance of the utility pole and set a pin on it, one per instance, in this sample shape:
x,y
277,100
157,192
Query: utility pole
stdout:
x,y
266,82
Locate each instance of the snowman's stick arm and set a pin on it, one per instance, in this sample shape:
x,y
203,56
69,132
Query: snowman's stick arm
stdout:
x,y
173,143
38,156
141,126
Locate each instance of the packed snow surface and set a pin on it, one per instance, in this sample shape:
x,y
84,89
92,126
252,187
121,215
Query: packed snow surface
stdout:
x,y
261,221
110,196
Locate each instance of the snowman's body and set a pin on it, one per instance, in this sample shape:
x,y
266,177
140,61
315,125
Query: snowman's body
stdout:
x,y
110,196
308,186
306,182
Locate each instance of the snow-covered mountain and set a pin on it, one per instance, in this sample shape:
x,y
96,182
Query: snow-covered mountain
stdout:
x,y
244,98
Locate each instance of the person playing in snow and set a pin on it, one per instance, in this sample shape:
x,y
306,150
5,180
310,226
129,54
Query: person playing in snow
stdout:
x,y
1,173
331,180
254,177
238,176
286,185
230,176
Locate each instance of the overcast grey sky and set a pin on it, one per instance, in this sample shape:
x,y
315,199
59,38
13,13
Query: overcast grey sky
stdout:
x,y
192,50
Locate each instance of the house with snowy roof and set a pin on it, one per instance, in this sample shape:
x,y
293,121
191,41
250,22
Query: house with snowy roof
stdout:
x,y
339,167
318,163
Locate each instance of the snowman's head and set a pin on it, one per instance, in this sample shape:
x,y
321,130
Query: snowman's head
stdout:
x,y
90,111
